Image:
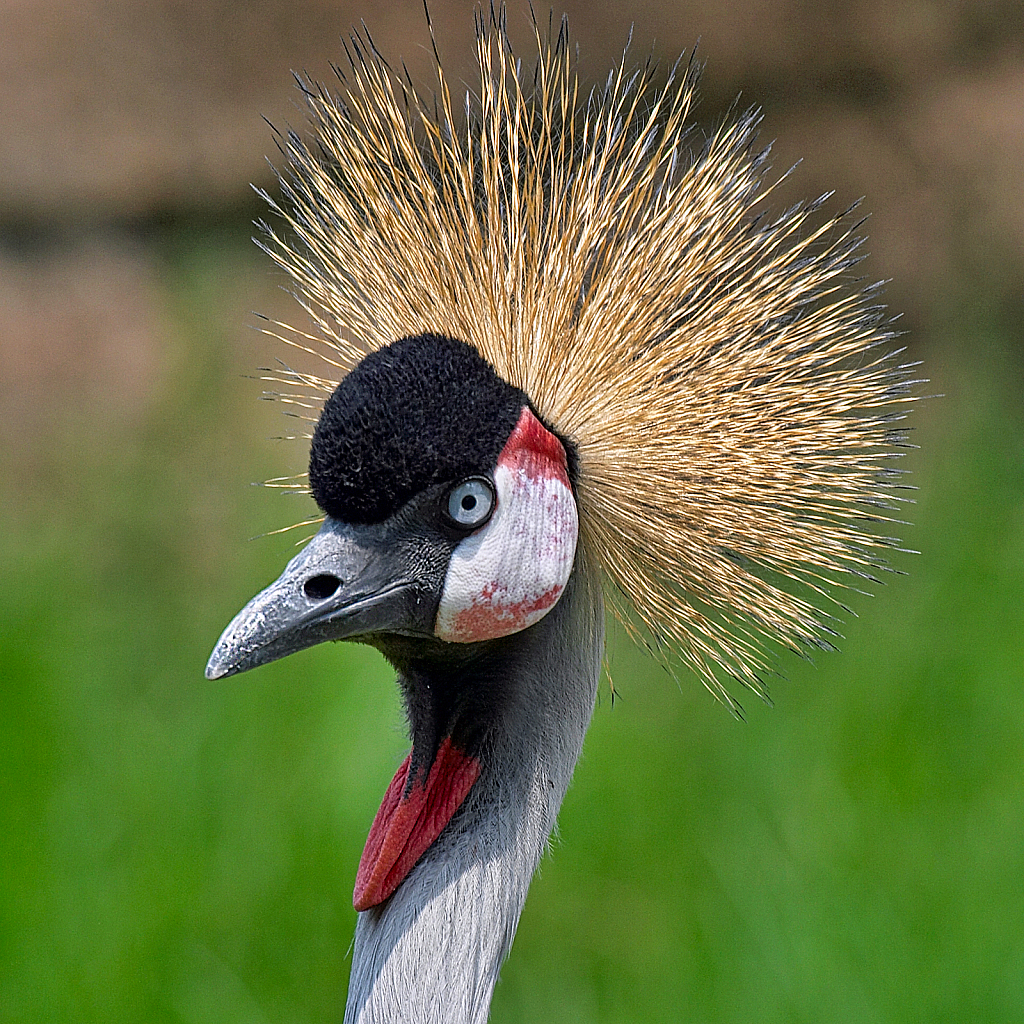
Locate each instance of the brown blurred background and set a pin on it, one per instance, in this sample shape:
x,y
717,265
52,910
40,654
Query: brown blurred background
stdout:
x,y
126,120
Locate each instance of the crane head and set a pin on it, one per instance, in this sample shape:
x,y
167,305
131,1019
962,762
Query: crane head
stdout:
x,y
449,513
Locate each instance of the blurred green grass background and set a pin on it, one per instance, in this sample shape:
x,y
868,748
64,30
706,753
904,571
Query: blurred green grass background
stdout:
x,y
177,850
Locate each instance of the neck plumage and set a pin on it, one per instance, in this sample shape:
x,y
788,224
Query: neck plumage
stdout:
x,y
431,953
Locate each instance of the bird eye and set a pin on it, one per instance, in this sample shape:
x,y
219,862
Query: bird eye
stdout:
x,y
470,503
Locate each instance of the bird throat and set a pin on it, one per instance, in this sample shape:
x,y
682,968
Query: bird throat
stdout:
x,y
415,809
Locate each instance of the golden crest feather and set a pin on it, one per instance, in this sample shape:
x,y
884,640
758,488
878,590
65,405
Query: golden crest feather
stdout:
x,y
728,384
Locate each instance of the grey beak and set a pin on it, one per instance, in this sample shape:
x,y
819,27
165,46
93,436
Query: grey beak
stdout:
x,y
349,581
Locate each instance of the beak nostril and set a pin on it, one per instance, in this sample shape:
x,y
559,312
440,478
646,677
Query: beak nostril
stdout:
x,y
319,588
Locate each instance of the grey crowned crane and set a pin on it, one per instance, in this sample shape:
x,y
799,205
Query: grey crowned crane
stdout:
x,y
578,362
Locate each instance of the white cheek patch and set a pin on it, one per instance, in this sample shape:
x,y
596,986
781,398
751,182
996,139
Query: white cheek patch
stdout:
x,y
511,573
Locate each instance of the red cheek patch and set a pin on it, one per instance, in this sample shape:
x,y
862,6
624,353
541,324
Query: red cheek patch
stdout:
x,y
510,573
478,621
408,822
533,450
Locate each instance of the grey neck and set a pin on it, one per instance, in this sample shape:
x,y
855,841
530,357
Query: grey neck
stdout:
x,y
431,953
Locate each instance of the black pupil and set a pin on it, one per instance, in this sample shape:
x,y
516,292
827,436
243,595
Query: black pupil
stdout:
x,y
469,502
